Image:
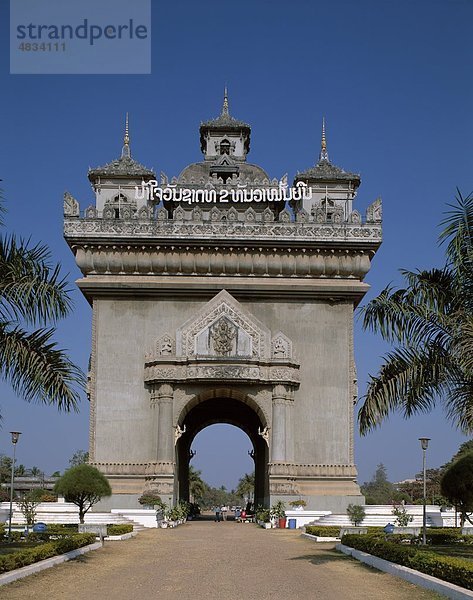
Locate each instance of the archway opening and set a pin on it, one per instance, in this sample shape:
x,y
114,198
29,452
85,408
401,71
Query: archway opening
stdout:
x,y
226,410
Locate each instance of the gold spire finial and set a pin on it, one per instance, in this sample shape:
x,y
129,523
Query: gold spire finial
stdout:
x,y
225,102
126,140
323,146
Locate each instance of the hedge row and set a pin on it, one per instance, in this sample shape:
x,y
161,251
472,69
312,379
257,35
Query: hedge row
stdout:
x,y
334,531
455,570
320,531
119,529
22,558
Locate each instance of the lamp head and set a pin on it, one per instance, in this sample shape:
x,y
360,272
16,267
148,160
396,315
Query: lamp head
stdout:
x,y
15,436
424,442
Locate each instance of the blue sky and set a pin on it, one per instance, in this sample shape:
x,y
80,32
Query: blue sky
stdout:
x,y
394,81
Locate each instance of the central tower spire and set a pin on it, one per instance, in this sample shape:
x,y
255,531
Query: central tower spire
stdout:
x,y
126,152
225,102
323,146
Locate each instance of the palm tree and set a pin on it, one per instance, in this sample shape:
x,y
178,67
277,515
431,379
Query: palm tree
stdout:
x,y
431,323
197,486
246,486
33,295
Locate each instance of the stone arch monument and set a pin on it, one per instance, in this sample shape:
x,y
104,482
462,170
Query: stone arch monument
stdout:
x,y
223,296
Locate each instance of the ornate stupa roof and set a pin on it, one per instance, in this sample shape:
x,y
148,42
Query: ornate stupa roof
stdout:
x,y
224,120
324,170
125,166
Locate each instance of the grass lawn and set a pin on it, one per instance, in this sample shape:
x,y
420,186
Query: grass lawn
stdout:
x,y
456,550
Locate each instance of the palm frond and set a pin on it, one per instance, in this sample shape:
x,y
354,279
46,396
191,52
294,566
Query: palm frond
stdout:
x,y
37,370
409,380
30,288
458,231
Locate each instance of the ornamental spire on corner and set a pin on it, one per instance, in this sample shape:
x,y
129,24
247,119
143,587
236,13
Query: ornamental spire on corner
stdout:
x,y
225,102
126,152
323,145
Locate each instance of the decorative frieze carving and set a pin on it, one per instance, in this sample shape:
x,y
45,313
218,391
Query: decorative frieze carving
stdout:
x,y
135,468
224,372
312,470
174,230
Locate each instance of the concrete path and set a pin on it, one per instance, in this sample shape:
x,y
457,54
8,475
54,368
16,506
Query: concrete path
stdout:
x,y
221,561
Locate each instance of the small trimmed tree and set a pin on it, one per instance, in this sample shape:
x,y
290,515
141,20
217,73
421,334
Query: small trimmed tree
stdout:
x,y
84,486
457,485
356,514
28,504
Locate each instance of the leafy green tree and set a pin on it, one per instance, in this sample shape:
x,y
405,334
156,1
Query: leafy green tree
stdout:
x,y
79,458
35,472
83,485
457,485
356,514
33,297
431,321
379,490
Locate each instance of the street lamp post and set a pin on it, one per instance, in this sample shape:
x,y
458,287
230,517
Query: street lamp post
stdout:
x,y
15,436
424,442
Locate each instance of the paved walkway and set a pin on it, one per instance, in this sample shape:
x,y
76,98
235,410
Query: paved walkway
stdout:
x,y
221,561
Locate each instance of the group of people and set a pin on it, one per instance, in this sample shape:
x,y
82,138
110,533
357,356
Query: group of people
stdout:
x,y
221,513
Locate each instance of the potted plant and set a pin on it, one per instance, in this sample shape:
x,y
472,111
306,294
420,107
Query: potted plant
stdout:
x,y
278,510
263,517
298,504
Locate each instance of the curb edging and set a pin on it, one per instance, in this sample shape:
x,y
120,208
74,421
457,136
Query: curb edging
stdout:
x,y
46,564
455,592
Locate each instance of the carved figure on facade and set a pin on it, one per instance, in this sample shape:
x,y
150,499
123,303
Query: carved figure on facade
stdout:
x,y
374,212
281,346
178,214
355,217
285,216
162,214
178,433
264,433
71,206
166,346
253,337
91,212
108,213
302,216
223,335
250,215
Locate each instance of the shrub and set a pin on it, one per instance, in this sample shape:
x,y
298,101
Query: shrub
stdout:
x,y
22,558
321,531
151,499
119,529
356,513
455,570
403,518
295,503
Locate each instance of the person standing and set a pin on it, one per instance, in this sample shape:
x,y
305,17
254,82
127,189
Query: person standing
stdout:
x,y
217,514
